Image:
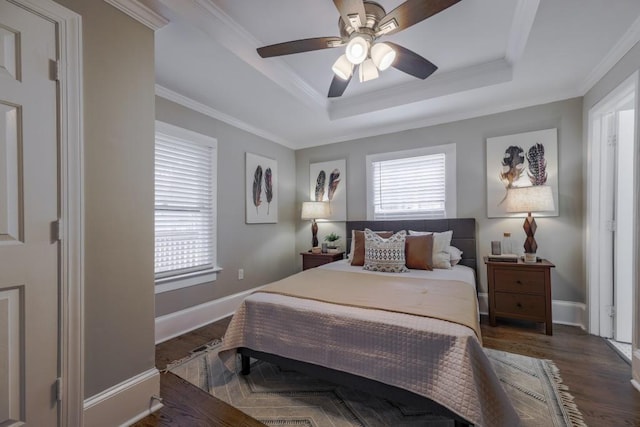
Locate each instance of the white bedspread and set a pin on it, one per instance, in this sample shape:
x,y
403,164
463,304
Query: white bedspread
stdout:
x,y
441,360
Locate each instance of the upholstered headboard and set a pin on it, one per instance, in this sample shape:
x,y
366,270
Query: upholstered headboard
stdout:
x,y
464,232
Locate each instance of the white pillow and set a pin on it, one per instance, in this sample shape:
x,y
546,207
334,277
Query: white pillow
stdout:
x,y
441,243
455,255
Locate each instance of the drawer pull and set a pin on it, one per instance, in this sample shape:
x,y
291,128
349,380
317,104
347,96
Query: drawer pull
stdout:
x,y
519,305
519,282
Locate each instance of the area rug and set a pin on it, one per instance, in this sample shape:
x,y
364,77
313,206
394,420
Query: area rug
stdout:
x,y
279,397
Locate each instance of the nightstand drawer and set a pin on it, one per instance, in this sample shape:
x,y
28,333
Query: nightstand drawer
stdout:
x,y
521,305
311,260
520,281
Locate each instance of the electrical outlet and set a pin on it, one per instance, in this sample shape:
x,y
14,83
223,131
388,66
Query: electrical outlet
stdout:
x,y
240,274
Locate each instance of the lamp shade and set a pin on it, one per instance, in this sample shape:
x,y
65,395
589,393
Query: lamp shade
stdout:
x,y
368,71
315,210
342,67
537,198
382,55
357,50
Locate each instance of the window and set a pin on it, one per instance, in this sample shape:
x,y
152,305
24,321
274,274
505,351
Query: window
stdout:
x,y
185,208
412,184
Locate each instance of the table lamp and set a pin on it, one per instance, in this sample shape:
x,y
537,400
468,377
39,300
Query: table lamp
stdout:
x,y
313,211
537,198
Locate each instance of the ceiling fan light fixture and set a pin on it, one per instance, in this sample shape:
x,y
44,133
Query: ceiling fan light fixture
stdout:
x,y
357,50
342,67
368,71
382,55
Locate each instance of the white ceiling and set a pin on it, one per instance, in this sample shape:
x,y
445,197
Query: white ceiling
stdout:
x,y
493,55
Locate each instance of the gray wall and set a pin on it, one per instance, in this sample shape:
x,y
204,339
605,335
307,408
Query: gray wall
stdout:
x,y
266,252
470,138
118,164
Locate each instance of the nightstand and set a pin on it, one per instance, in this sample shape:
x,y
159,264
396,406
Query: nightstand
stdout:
x,y
310,260
520,290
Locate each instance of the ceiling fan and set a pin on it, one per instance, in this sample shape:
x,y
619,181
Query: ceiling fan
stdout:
x,y
361,24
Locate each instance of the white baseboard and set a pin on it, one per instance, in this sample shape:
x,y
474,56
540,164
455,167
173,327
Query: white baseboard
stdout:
x,y
636,384
124,403
569,313
183,321
562,312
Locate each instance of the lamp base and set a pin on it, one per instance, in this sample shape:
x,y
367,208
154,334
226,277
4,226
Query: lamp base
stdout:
x,y
530,226
314,232
530,258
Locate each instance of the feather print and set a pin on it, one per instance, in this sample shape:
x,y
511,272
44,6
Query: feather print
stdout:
x,y
322,176
257,187
334,180
512,167
268,187
537,165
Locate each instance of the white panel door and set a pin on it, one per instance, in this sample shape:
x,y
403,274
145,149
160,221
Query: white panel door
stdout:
x,y
623,259
29,265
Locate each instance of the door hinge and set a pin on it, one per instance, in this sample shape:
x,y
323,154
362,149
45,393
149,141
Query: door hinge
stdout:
x,y
611,225
54,69
59,390
612,140
57,230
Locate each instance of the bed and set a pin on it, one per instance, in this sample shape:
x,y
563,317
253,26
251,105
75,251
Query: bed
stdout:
x,y
367,343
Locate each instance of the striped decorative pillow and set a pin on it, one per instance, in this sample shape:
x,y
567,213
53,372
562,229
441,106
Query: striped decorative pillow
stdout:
x,y
382,254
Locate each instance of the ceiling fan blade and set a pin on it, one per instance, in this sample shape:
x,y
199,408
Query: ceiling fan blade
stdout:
x,y
338,86
411,63
298,46
349,8
411,12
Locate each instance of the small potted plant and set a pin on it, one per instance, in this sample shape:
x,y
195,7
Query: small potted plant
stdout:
x,y
332,246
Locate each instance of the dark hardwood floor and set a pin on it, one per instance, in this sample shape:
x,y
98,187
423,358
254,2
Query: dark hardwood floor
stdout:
x,y
596,375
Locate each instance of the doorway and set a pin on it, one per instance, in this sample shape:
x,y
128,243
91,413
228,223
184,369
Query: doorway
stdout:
x,y
611,214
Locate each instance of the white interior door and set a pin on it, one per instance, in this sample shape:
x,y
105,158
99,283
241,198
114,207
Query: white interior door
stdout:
x,y
623,260
29,206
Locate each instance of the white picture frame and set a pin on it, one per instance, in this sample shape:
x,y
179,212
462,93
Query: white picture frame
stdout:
x,y
261,189
331,188
504,152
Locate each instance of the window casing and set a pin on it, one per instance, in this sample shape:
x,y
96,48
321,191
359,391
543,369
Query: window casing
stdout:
x,y
185,208
412,184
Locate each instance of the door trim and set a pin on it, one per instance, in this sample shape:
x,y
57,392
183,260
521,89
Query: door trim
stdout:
x,y
595,238
70,95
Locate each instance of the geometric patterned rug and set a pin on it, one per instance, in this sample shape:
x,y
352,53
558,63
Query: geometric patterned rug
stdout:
x,y
286,398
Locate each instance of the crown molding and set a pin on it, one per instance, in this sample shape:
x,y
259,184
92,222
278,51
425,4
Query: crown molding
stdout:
x,y
192,104
372,131
140,13
626,42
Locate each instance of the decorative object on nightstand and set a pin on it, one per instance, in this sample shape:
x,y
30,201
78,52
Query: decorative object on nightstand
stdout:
x,y
536,198
520,290
310,260
312,211
331,246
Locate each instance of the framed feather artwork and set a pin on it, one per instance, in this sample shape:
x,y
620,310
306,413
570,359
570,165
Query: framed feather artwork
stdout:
x,y
261,189
328,182
521,160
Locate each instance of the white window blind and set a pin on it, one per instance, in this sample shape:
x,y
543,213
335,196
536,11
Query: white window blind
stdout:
x,y
184,206
412,184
